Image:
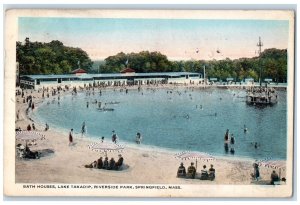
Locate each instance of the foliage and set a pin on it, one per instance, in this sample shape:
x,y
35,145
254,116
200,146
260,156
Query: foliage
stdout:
x,y
50,58
55,58
272,61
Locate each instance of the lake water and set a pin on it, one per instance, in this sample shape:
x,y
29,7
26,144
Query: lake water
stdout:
x,y
174,119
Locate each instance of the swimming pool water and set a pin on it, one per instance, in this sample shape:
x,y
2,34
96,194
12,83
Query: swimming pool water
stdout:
x,y
179,118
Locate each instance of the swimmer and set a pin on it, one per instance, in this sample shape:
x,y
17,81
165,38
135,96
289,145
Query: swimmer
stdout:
x,y
245,128
232,140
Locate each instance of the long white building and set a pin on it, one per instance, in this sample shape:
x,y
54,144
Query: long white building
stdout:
x,y
112,79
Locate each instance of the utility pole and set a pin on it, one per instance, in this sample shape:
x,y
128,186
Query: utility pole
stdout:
x,y
204,74
260,44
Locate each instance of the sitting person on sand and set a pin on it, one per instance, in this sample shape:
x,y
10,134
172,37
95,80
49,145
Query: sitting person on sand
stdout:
x,y
30,154
211,172
28,127
91,165
119,162
274,177
112,164
105,163
181,172
99,163
204,173
191,171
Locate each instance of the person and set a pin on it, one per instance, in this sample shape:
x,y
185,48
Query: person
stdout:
x,y
33,126
211,172
245,129
181,172
226,135
204,173
100,163
119,162
28,127
114,137
102,139
232,140
18,115
191,171
105,163
274,177
255,175
138,138
71,137
87,104
30,154
89,165
32,106
47,127
83,129
112,164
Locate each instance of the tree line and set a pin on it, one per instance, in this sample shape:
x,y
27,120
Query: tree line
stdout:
x,y
55,58
272,61
50,58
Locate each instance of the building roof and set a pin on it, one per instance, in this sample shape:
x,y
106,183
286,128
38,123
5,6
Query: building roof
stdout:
x,y
78,70
110,75
127,70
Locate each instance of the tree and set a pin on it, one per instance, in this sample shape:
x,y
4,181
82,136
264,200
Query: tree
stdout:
x,y
50,58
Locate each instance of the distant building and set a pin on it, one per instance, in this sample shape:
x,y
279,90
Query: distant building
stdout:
x,y
213,79
78,71
268,80
229,79
249,80
109,79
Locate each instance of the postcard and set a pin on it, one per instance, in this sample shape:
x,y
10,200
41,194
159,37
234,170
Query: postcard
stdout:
x,y
149,103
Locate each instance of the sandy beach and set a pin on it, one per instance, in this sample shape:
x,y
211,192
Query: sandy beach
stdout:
x,y
146,165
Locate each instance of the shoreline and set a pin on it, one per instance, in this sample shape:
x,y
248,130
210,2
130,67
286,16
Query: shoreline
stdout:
x,y
142,161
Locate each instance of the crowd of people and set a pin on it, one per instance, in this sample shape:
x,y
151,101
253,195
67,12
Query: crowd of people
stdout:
x,y
25,152
192,171
107,164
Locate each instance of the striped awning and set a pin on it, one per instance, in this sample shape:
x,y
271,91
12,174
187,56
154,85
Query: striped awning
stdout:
x,y
29,135
187,155
274,164
105,147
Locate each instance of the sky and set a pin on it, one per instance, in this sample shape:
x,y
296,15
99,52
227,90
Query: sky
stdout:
x,y
178,39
